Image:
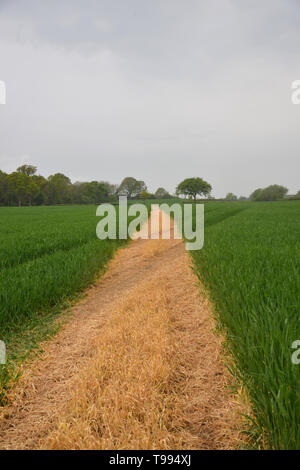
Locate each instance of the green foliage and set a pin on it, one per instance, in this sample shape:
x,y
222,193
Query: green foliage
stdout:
x,y
250,264
91,193
231,197
131,187
58,189
47,256
274,192
4,187
193,187
22,186
25,187
161,193
145,195
28,170
255,196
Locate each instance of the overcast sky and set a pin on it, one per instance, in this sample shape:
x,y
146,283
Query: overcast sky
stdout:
x,y
156,89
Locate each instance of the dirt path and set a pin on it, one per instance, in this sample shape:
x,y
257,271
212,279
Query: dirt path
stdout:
x,y
209,414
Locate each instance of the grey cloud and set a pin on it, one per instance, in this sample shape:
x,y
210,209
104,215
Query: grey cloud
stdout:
x,y
161,90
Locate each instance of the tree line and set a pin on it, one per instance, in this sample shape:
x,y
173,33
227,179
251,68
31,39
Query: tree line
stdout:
x,y
25,187
274,192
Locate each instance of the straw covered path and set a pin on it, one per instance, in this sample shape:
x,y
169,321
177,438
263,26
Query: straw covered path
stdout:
x,y
137,366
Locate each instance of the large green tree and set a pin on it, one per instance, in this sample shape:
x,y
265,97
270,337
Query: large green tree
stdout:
x,y
194,187
27,170
58,189
131,187
91,193
22,187
275,192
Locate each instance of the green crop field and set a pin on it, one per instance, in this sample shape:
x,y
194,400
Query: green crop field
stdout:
x,y
250,264
47,256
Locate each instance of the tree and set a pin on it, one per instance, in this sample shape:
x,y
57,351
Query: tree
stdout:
x,y
140,186
58,189
256,194
111,188
193,187
161,193
127,186
230,197
28,170
93,192
22,187
145,195
41,182
130,187
274,192
4,183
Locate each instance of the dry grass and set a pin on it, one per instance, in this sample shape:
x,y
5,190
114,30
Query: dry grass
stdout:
x,y
126,398
138,367
157,247
157,379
